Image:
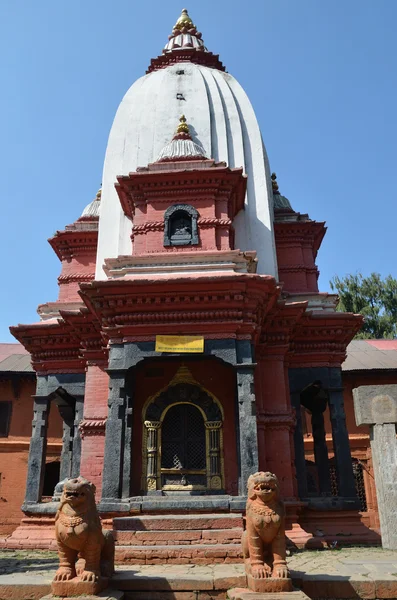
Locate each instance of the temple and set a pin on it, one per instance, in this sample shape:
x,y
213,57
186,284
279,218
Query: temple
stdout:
x,y
190,342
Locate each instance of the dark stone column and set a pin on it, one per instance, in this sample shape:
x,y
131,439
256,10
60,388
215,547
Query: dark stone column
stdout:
x,y
114,439
126,485
300,461
340,436
37,450
66,453
247,428
76,442
321,453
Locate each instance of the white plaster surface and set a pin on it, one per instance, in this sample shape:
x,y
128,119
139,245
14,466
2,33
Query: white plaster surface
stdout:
x,y
220,118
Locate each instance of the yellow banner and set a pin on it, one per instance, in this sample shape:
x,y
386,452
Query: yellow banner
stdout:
x,y
179,343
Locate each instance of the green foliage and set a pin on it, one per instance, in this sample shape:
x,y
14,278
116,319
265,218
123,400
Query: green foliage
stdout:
x,y
373,297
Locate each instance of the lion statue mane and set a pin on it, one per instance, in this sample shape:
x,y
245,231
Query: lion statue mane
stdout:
x,y
80,536
263,540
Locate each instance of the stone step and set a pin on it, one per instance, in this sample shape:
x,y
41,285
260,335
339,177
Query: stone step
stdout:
x,y
179,554
179,536
178,522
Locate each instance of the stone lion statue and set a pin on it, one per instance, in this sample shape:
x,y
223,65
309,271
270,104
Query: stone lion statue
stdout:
x,y
264,538
80,536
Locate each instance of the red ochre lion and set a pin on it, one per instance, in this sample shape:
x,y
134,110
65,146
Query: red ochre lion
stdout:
x,y
80,536
264,538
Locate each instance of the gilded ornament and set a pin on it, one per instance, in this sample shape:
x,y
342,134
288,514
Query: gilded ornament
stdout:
x,y
184,20
151,484
216,483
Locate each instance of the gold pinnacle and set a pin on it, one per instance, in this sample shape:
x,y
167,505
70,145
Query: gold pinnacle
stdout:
x,y
184,20
182,127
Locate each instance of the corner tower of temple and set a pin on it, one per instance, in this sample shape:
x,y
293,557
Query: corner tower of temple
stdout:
x,y
190,341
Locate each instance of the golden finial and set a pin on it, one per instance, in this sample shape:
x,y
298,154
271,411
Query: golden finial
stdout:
x,y
275,184
182,127
98,194
184,20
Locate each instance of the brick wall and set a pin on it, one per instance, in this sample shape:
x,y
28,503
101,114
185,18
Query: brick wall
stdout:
x,y
14,449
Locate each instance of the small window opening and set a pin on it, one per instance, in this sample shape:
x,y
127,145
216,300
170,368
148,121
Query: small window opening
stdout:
x,y
5,418
180,225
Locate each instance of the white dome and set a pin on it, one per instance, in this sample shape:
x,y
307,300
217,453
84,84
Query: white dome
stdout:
x,y
93,208
221,119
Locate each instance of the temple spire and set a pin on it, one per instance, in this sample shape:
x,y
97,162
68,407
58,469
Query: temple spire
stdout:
x,y
181,147
185,44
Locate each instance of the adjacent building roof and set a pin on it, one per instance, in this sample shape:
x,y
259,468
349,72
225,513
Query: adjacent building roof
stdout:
x,y
364,355
14,358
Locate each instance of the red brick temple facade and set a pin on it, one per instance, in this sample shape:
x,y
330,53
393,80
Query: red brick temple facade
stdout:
x,y
189,334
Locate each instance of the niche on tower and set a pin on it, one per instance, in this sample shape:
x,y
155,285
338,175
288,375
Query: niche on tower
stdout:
x,y
180,225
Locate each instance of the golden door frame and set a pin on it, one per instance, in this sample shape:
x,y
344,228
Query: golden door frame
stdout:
x,y
151,441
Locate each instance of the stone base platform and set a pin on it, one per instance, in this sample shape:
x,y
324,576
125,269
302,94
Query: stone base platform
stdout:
x,y
246,594
105,595
366,573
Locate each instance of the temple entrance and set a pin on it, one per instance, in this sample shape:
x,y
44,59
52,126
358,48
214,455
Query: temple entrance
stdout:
x,y
183,439
183,456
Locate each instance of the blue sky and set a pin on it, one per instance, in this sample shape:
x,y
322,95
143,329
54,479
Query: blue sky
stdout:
x,y
321,75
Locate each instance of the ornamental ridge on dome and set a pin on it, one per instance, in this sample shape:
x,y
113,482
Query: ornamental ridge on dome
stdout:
x,y
185,44
181,147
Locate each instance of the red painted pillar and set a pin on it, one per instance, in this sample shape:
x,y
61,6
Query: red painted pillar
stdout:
x,y
94,422
276,421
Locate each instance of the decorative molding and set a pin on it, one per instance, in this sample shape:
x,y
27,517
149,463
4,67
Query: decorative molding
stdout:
x,y
92,427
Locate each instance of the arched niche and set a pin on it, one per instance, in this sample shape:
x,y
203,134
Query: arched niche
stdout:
x,y
180,415
180,225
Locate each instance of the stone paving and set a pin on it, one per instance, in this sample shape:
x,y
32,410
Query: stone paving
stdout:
x,y
346,573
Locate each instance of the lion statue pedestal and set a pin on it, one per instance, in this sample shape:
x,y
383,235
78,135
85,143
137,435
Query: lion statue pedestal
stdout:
x,y
263,540
86,551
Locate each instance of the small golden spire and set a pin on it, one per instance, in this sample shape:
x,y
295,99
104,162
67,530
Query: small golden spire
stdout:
x,y
184,21
182,127
275,184
98,194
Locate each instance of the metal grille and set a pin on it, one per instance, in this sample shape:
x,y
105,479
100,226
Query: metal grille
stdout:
x,y
334,479
183,439
358,472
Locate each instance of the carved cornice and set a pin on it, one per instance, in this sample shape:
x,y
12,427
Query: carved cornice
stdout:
x,y
212,182
278,328
67,244
76,277
206,59
64,345
285,420
92,427
53,347
321,339
302,233
236,304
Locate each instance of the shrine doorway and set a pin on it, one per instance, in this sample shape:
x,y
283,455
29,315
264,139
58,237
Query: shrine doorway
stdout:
x,y
183,439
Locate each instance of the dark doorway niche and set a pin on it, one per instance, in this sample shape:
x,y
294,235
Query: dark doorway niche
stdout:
x,y
180,225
